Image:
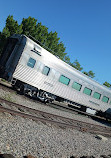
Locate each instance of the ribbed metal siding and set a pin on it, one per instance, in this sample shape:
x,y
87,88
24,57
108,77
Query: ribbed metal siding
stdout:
x,y
37,79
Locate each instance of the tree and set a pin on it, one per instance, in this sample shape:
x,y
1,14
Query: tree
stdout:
x,y
29,26
90,74
52,40
60,50
13,26
67,59
76,65
53,44
107,84
86,73
41,33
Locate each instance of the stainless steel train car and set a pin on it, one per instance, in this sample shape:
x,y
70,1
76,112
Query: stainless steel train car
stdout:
x,y
35,71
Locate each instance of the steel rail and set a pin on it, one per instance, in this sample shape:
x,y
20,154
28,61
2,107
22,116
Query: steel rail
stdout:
x,y
60,124
47,117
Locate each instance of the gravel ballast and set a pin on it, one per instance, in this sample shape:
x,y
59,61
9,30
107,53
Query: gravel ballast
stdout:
x,y
19,136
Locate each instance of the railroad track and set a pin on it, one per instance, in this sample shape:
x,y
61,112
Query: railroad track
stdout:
x,y
60,106
36,115
76,110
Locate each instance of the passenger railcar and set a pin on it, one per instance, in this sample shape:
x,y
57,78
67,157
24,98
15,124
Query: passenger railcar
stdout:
x,y
37,72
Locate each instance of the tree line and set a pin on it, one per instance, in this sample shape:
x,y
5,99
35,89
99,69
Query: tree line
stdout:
x,y
50,40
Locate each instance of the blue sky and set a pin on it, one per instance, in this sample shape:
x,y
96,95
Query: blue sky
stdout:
x,y
84,26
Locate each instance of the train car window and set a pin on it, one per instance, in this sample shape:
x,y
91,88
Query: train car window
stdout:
x,y
87,91
31,62
46,70
105,99
76,86
64,80
97,95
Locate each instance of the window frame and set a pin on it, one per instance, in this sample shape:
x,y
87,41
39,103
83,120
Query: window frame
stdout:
x,y
96,97
65,78
105,98
29,62
87,89
43,71
77,84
